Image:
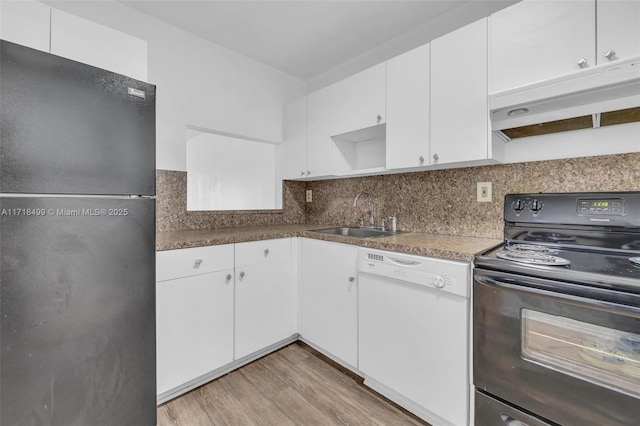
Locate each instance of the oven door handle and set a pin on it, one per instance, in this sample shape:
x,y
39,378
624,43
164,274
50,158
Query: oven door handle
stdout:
x,y
495,280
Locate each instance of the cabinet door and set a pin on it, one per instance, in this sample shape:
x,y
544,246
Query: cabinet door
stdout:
x,y
618,29
319,133
459,111
194,326
358,102
408,109
329,298
26,23
537,40
90,43
292,151
265,306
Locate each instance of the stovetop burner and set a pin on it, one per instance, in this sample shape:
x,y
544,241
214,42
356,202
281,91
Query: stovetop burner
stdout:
x,y
533,257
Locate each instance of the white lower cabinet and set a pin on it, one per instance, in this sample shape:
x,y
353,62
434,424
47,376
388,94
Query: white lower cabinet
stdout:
x,y
194,314
219,307
265,300
329,299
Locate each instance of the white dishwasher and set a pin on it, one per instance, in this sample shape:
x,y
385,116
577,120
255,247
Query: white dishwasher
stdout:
x,y
413,333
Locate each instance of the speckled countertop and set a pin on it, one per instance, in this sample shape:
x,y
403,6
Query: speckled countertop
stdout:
x,y
437,245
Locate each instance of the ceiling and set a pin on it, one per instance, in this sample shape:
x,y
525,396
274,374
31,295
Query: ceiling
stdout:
x,y
307,38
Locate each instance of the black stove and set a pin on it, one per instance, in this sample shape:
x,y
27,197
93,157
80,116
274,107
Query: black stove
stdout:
x,y
587,238
556,313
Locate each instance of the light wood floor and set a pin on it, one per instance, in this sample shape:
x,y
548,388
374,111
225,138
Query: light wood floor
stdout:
x,y
293,386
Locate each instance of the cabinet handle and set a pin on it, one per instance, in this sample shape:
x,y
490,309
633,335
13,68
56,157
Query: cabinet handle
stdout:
x,y
611,55
582,63
378,118
266,252
197,263
352,279
228,278
241,275
435,157
421,159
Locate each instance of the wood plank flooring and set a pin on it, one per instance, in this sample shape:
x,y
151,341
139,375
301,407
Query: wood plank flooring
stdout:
x,y
293,386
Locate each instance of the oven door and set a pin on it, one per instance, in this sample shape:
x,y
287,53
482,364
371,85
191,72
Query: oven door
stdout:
x,y
567,353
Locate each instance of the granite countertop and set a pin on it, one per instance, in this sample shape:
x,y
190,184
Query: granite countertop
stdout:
x,y
445,246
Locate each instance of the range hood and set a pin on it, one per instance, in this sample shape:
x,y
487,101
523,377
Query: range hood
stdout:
x,y
603,95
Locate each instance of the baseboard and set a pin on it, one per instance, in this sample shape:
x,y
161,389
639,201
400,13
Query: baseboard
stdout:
x,y
406,403
206,378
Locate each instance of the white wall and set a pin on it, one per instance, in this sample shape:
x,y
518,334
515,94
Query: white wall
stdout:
x,y
199,84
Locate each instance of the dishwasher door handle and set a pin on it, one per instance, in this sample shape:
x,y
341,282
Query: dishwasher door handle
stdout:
x,y
402,262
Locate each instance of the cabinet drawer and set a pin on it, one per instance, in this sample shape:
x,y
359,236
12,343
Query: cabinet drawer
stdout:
x,y
173,264
262,251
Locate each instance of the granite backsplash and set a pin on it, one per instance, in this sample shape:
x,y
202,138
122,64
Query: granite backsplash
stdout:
x,y
444,201
436,201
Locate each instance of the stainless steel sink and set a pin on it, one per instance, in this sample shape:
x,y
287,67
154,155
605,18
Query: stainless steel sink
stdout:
x,y
356,232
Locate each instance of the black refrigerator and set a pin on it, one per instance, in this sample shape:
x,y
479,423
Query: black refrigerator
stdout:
x,y
77,243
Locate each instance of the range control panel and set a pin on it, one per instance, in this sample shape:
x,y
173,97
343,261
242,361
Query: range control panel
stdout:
x,y
600,206
619,209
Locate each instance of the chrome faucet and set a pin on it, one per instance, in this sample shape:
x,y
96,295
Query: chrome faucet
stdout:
x,y
372,221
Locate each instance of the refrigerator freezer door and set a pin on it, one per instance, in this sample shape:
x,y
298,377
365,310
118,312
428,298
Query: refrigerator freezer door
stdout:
x,y
77,311
70,128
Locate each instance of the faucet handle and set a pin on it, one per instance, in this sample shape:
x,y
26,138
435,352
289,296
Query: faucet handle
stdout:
x,y
361,221
383,223
394,223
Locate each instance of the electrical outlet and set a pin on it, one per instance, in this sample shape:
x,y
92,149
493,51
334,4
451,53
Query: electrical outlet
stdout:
x,y
309,195
484,192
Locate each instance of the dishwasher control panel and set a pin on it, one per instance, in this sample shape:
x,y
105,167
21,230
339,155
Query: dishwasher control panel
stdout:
x,y
439,274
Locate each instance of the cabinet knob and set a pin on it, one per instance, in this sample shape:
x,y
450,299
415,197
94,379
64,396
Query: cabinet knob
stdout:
x,y
435,157
228,278
197,263
242,275
421,160
301,172
611,55
352,279
582,63
266,252
378,118
308,172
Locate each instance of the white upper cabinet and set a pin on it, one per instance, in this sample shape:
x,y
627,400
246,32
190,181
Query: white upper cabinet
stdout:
x,y
85,41
26,23
358,102
319,133
536,40
618,27
293,149
459,111
408,109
